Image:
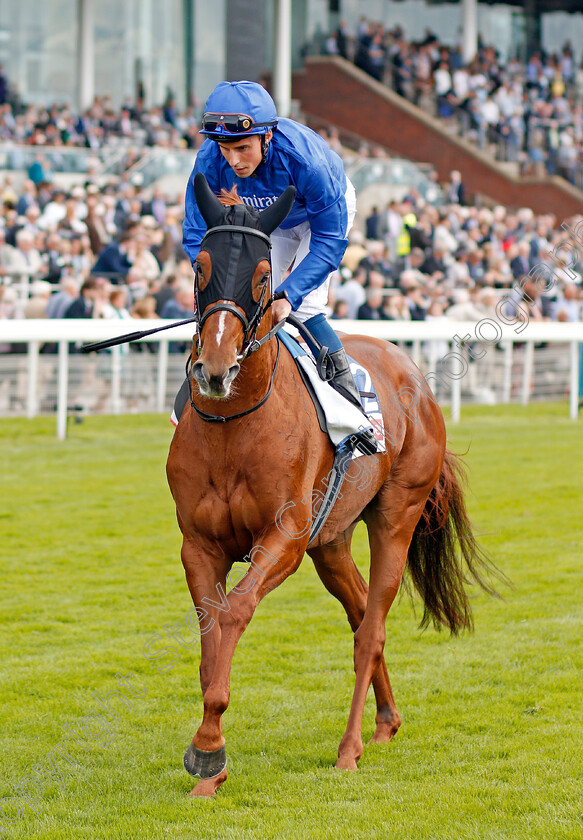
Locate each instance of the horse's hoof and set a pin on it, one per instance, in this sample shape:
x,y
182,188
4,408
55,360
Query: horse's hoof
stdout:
x,y
205,765
208,787
346,764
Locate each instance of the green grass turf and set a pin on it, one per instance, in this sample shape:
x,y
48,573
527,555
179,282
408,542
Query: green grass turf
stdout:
x,y
490,745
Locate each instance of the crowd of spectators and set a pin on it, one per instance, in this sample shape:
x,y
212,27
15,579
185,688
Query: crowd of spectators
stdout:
x,y
58,125
458,262
529,114
114,251
93,252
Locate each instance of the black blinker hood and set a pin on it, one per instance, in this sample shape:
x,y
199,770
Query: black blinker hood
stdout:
x,y
234,258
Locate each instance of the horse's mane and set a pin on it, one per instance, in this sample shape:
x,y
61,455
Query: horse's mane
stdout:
x,y
230,197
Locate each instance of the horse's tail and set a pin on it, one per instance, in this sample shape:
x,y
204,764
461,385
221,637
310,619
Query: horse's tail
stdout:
x,y
444,555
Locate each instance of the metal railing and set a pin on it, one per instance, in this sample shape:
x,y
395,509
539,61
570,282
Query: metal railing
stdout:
x,y
16,157
508,144
156,163
393,172
21,281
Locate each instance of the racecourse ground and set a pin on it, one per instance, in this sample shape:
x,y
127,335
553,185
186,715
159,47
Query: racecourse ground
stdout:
x,y
490,745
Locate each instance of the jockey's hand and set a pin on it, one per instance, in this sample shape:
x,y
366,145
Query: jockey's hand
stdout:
x,y
281,309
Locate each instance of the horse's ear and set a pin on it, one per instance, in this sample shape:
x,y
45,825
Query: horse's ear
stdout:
x,y
275,214
209,205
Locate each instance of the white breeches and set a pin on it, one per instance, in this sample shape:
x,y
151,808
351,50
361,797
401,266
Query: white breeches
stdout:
x,y
291,246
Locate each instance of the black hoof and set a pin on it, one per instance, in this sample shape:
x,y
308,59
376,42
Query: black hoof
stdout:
x,y
205,765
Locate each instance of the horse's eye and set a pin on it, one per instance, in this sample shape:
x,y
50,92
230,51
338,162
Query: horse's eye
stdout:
x,y
265,278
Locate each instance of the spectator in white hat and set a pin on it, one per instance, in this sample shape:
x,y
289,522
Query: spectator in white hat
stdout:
x,y
36,305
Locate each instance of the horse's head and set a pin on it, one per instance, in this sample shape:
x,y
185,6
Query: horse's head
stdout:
x,y
233,274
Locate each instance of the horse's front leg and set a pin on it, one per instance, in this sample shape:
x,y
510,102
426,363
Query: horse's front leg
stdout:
x,y
205,575
270,563
206,578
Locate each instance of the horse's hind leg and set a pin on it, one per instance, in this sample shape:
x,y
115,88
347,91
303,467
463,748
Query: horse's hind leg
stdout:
x,y
390,524
337,571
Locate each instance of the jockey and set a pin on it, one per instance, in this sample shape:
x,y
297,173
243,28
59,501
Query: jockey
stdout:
x,y
261,154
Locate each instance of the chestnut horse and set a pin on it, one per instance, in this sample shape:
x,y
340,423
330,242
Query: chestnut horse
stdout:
x,y
248,463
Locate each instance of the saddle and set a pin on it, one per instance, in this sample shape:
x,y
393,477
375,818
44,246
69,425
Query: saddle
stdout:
x,y
337,417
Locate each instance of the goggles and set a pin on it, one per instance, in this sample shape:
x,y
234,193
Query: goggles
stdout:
x,y
233,123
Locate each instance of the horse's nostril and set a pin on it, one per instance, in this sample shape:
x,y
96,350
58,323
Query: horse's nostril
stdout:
x,y
217,384
199,372
233,371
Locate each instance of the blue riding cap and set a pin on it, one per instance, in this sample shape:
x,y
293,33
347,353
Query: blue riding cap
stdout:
x,y
238,108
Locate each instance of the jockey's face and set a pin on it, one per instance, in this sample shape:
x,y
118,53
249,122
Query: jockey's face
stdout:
x,y
244,156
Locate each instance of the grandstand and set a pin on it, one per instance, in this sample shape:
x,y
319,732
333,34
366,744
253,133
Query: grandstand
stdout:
x,y
448,225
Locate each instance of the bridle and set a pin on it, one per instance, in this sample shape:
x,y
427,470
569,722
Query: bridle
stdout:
x,y
250,322
219,418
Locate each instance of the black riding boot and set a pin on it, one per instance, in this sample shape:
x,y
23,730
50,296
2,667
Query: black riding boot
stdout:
x,y
343,382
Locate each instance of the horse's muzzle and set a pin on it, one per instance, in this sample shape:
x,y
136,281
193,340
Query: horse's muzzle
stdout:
x,y
214,384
